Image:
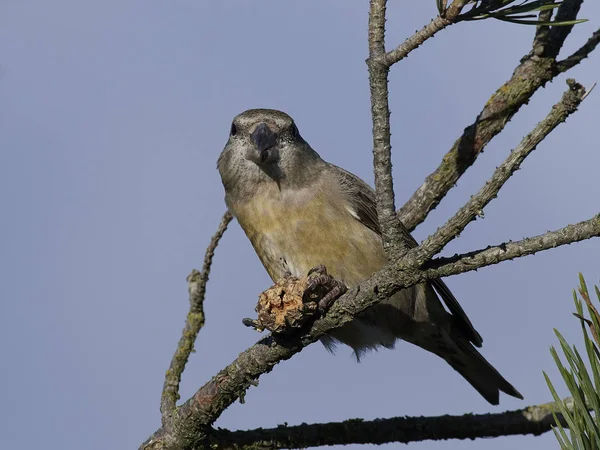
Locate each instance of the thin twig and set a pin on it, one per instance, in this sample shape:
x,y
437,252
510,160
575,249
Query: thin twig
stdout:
x,y
534,71
392,234
194,322
379,63
190,423
582,53
570,234
428,31
533,420
567,105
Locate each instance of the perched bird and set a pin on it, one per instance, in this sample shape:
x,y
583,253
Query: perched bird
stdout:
x,y
300,211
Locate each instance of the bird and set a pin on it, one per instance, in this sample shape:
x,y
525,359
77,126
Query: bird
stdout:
x,y
300,212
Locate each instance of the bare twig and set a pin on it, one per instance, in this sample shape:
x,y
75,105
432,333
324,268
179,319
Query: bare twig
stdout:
x,y
454,265
533,420
191,422
393,242
194,322
535,70
379,63
580,54
567,105
428,31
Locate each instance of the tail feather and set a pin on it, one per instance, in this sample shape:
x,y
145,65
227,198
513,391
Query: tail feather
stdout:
x,y
466,360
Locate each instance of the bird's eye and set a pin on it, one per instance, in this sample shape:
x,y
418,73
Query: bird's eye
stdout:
x,y
233,130
295,132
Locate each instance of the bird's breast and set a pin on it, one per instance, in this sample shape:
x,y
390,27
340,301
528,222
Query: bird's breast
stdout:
x,y
296,231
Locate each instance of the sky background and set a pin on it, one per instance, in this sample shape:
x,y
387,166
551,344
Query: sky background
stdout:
x,y
112,116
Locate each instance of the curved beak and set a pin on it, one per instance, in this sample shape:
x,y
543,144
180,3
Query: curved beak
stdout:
x,y
264,141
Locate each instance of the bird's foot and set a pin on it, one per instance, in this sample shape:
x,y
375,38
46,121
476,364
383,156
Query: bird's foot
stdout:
x,y
322,288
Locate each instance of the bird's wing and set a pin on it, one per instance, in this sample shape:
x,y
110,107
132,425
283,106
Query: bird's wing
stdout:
x,y
362,198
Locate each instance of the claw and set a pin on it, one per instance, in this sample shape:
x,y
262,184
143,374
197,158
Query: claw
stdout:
x,y
320,269
336,292
334,288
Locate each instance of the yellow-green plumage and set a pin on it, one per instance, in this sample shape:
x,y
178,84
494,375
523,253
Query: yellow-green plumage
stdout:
x,y
296,232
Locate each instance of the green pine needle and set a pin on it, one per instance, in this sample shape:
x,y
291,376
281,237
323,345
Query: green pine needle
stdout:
x,y
513,12
582,379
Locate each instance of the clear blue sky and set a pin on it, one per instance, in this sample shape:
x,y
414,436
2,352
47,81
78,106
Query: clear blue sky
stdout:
x,y
112,115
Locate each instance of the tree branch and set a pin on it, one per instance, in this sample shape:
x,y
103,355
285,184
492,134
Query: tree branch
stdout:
x,y
194,322
533,420
379,63
190,423
428,31
567,105
580,54
556,36
535,70
391,229
443,267
541,31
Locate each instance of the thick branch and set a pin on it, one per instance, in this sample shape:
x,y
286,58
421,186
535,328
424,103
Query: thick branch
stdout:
x,y
190,424
533,420
567,105
535,70
194,322
556,36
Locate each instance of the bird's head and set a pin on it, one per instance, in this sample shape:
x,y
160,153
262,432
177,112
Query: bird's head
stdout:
x,y
265,145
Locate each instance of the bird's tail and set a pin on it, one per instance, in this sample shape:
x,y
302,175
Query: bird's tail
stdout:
x,y
466,360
